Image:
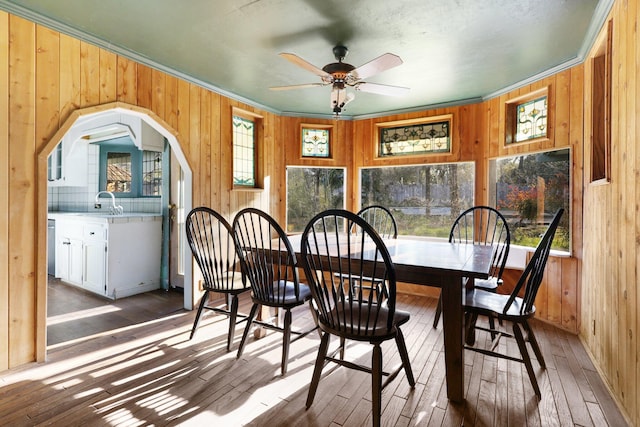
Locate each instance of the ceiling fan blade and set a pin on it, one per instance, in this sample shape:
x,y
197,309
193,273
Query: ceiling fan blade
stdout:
x,y
306,65
302,86
375,66
381,89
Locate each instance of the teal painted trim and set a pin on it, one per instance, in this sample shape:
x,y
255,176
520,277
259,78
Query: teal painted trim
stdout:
x,y
166,230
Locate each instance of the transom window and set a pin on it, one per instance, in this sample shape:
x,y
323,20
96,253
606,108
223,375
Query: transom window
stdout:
x,y
420,138
244,151
532,119
315,142
527,117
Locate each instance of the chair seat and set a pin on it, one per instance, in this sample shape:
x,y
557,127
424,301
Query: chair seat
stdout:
x,y
491,303
283,294
233,286
490,284
362,326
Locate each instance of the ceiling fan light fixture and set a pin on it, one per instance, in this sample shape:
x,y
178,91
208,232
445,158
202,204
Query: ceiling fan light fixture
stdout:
x,y
340,98
340,75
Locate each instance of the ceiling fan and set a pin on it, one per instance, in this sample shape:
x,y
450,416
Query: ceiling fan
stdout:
x,y
340,75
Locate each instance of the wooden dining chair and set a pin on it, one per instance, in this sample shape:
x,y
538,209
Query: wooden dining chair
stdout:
x,y
382,221
482,225
269,264
513,308
329,253
211,240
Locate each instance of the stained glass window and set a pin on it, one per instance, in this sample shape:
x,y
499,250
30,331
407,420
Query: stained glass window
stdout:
x,y
315,142
422,138
151,173
531,119
243,152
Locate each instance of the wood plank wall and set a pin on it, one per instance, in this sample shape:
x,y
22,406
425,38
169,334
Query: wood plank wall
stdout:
x,y
45,76
610,296
478,135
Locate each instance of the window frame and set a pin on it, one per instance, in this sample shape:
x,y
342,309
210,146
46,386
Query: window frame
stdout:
x,y
474,195
124,146
258,135
511,117
598,109
313,126
413,122
491,179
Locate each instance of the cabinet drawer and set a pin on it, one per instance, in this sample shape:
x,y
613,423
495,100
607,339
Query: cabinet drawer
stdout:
x,y
95,232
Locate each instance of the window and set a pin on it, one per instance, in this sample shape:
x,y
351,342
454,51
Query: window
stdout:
x,y
424,199
411,138
528,190
527,118
316,141
244,152
601,109
119,172
311,191
127,171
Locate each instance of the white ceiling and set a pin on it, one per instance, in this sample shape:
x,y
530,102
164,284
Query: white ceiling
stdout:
x,y
454,51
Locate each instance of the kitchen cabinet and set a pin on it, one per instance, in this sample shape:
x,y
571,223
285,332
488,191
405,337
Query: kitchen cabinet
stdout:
x,y
69,260
67,164
111,255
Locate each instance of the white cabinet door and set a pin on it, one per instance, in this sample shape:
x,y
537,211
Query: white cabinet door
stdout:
x,y
95,258
75,261
62,258
69,260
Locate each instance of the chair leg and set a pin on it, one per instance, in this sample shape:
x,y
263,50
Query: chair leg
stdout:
x,y
522,345
314,314
196,322
343,344
376,384
534,343
492,326
470,320
317,370
438,312
404,355
252,314
233,314
286,341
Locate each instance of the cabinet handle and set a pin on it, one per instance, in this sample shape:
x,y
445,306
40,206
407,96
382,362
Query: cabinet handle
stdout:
x,y
91,233
66,243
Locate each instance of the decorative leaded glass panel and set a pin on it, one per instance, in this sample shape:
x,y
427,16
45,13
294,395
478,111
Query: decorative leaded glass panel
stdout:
x,y
315,142
531,119
423,138
151,173
243,152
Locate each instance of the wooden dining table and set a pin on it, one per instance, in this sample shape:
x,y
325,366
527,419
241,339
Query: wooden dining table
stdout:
x,y
446,266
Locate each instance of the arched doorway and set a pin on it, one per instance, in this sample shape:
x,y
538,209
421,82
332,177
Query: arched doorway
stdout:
x,y
124,118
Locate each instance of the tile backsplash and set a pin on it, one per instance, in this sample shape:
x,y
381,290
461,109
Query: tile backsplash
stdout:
x,y
82,199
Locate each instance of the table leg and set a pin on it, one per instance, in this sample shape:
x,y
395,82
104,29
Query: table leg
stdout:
x,y
453,329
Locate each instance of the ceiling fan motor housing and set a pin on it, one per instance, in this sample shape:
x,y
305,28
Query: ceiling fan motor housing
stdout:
x,y
340,71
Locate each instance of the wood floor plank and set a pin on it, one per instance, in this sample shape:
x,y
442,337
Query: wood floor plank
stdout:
x,y
146,371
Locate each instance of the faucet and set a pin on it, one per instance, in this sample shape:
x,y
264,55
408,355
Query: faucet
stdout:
x,y
113,209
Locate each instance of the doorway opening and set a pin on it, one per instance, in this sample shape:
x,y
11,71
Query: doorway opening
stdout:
x,y
86,128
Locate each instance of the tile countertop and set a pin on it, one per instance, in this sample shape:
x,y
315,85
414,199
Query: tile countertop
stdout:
x,y
104,217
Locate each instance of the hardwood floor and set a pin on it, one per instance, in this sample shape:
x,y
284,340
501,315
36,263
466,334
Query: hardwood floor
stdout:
x,y
135,365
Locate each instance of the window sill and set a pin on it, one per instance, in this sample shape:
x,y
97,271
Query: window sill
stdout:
x,y
517,258
247,189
